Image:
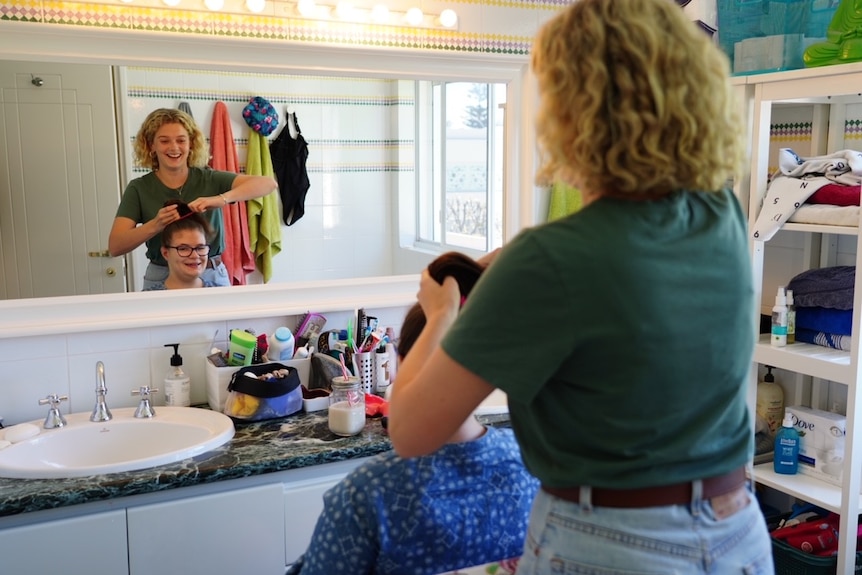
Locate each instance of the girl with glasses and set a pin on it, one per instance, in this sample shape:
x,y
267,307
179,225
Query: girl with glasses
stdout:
x,y
184,246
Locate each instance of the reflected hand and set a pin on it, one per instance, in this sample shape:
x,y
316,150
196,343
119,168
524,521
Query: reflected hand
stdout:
x,y
205,203
437,299
166,215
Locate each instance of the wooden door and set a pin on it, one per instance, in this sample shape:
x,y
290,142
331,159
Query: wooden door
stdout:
x,y
59,180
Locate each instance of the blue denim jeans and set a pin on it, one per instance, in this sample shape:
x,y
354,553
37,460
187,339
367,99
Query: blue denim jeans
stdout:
x,y
158,274
566,538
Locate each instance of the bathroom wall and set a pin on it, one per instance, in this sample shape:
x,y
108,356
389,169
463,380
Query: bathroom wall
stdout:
x,y
356,145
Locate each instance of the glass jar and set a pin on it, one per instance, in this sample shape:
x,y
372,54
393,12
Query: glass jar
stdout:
x,y
346,406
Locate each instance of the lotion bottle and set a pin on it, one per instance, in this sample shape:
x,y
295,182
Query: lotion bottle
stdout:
x,y
281,345
791,318
779,319
786,459
177,383
770,401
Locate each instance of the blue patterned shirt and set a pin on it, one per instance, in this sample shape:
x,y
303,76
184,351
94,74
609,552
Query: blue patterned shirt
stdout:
x,y
466,504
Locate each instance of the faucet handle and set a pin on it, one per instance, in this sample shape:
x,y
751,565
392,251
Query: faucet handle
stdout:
x,y
54,418
144,410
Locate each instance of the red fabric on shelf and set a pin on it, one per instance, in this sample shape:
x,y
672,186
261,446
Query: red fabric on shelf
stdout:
x,y
237,256
836,195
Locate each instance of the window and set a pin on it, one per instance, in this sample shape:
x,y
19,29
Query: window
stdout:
x,y
459,165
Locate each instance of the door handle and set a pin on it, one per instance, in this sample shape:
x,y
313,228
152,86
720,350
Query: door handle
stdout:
x,y
101,254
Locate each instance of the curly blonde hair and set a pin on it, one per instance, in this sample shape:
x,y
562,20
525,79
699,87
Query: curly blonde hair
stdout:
x,y
198,149
635,100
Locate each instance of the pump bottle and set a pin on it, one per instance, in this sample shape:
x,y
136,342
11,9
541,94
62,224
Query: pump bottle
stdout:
x,y
791,318
177,383
770,401
786,459
779,319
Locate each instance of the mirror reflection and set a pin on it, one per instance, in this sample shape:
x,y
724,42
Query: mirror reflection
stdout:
x,y
399,170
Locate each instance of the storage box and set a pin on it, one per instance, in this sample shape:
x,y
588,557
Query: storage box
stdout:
x,y
821,442
218,379
791,561
788,27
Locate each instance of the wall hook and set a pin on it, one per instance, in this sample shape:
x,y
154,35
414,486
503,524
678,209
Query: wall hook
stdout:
x,y
37,81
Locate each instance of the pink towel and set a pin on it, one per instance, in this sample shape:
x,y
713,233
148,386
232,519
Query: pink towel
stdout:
x,y
237,256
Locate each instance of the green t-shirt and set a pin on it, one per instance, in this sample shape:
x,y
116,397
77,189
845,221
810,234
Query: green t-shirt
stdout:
x,y
623,335
145,196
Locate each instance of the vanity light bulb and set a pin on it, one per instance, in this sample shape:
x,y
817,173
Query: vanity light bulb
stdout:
x,y
171,3
255,6
214,4
414,16
306,8
127,1
344,10
380,14
448,18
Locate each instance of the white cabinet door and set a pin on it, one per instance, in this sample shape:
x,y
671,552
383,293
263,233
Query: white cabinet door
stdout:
x,y
92,544
239,531
303,503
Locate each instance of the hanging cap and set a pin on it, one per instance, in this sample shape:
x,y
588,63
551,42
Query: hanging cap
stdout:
x,y
176,359
260,116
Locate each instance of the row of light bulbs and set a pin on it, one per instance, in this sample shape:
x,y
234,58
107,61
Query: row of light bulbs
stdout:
x,y
344,11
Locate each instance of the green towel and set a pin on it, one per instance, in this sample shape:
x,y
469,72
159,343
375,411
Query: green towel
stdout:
x,y
565,200
264,227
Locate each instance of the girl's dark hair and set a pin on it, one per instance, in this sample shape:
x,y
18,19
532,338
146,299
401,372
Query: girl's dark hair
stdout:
x,y
191,221
466,272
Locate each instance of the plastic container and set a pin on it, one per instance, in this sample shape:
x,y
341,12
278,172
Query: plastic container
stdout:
x,y
177,384
786,459
346,406
779,320
281,345
771,35
791,561
770,401
242,346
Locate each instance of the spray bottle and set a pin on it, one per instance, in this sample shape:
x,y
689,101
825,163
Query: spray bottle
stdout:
x,y
177,383
786,459
779,319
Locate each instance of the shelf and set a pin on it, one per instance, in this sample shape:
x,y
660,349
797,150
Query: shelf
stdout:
x,y
806,358
804,487
821,229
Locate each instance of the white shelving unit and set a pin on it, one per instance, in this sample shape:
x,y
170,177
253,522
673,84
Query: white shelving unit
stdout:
x,y
828,90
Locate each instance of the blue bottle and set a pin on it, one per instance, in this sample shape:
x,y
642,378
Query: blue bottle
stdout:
x,y
786,460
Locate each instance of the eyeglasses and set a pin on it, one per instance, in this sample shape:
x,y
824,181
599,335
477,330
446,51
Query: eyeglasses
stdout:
x,y
186,251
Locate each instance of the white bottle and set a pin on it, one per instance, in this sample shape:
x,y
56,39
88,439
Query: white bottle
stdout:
x,y
779,319
281,345
791,318
177,383
770,401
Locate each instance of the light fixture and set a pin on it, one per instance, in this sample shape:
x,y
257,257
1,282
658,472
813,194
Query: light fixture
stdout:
x,y
306,8
214,4
380,14
171,3
414,16
344,10
448,18
255,6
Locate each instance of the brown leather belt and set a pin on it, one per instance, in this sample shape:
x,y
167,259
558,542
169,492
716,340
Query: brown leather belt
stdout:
x,y
213,262
676,494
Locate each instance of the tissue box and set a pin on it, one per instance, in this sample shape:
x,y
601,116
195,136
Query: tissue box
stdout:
x,y
218,379
821,442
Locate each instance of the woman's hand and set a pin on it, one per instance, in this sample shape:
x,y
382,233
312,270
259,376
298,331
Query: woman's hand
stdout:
x,y
205,203
439,300
165,216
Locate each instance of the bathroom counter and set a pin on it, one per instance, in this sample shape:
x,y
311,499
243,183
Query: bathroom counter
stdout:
x,y
293,442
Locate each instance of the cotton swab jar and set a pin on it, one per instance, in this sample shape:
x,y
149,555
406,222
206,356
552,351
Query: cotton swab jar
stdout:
x,y
346,406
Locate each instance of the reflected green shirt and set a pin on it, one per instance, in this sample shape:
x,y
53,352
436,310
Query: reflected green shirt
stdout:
x,y
145,196
623,335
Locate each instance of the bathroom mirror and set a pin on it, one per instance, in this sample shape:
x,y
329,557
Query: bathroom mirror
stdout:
x,y
249,57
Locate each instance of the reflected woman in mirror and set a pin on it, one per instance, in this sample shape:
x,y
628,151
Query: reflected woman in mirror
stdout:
x,y
170,143
185,246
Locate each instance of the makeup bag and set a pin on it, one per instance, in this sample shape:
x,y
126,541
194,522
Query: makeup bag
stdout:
x,y
263,391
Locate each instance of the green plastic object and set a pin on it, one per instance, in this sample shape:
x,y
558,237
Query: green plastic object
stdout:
x,y
843,38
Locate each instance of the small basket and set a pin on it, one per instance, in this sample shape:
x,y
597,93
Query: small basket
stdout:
x,y
791,561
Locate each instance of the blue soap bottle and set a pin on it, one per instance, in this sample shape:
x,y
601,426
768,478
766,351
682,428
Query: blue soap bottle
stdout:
x,y
786,460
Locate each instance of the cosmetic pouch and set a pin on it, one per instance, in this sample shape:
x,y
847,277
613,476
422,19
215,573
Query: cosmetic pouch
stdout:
x,y
263,391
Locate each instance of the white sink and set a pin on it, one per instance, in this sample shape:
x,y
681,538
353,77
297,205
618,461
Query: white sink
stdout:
x,y
83,448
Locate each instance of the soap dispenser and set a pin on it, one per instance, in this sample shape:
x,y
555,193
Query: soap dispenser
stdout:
x,y
177,383
770,401
786,460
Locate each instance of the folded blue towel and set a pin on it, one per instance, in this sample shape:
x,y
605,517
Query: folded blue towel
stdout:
x,y
835,321
830,287
832,340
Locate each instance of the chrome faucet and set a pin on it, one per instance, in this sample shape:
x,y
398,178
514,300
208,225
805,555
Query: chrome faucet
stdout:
x,y
54,419
100,411
144,410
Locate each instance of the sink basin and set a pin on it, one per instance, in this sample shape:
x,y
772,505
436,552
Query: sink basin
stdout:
x,y
83,448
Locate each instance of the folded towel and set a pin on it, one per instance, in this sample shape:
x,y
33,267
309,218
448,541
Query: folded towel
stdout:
x,y
783,196
826,215
835,321
820,338
830,287
836,195
843,166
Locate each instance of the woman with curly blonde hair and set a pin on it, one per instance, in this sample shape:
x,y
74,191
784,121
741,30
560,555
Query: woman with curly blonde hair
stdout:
x,y
172,146
632,410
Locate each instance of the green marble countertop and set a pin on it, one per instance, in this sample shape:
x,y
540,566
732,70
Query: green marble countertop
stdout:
x,y
299,440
